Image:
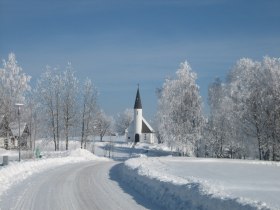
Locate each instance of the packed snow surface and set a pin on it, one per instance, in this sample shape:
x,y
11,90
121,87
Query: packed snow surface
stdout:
x,y
172,182
236,183
16,172
89,185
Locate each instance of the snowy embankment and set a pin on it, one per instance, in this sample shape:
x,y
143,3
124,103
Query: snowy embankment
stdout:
x,y
193,183
16,172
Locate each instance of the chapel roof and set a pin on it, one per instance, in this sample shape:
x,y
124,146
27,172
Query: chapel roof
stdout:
x,y
138,104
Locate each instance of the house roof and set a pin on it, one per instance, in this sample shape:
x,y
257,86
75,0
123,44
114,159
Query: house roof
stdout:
x,y
146,128
15,129
138,104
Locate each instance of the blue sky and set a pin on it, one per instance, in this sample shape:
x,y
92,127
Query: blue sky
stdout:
x,y
118,44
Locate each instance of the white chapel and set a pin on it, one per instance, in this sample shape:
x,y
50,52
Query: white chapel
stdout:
x,y
140,130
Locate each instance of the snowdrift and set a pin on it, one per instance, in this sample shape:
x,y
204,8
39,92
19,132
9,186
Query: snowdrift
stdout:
x,y
152,178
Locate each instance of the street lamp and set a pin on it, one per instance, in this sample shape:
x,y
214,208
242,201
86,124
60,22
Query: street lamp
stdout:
x,y
19,143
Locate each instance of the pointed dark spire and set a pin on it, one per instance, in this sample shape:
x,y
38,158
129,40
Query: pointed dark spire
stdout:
x,y
138,104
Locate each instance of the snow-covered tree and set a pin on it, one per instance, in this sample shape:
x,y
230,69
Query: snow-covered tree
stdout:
x,y
14,85
63,110
48,93
247,85
179,111
32,119
103,124
216,136
69,94
123,121
89,111
245,117
272,98
222,138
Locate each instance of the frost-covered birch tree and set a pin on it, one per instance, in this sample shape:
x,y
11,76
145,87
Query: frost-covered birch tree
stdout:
x,y
32,118
179,111
216,123
89,111
61,107
248,85
69,94
103,124
272,97
250,105
123,121
222,135
14,85
48,93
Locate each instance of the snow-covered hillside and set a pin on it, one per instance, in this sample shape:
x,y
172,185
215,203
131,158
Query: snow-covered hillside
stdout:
x,y
197,183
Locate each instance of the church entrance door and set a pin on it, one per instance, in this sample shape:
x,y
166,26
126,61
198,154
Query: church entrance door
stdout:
x,y
137,138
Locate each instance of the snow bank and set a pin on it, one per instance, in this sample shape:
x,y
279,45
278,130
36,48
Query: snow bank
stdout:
x,y
155,178
13,154
7,152
16,172
86,155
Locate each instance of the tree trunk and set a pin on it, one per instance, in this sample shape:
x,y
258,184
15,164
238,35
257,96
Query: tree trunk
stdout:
x,y
66,142
57,121
66,135
259,143
53,130
30,132
83,126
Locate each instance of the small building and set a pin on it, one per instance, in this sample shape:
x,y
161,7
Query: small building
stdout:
x,y
5,133
9,133
24,134
140,130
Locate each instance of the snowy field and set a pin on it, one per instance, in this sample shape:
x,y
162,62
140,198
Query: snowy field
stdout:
x,y
194,183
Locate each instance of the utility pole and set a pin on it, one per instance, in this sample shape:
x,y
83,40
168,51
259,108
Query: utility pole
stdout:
x,y
19,142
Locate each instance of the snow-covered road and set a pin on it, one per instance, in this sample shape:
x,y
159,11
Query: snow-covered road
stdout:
x,y
85,185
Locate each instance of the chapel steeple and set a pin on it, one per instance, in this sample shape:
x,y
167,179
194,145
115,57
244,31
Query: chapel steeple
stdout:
x,y
138,104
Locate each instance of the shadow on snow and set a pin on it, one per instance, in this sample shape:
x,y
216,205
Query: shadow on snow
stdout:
x,y
115,175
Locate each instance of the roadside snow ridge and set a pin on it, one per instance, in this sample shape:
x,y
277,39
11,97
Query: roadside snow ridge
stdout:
x,y
200,183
